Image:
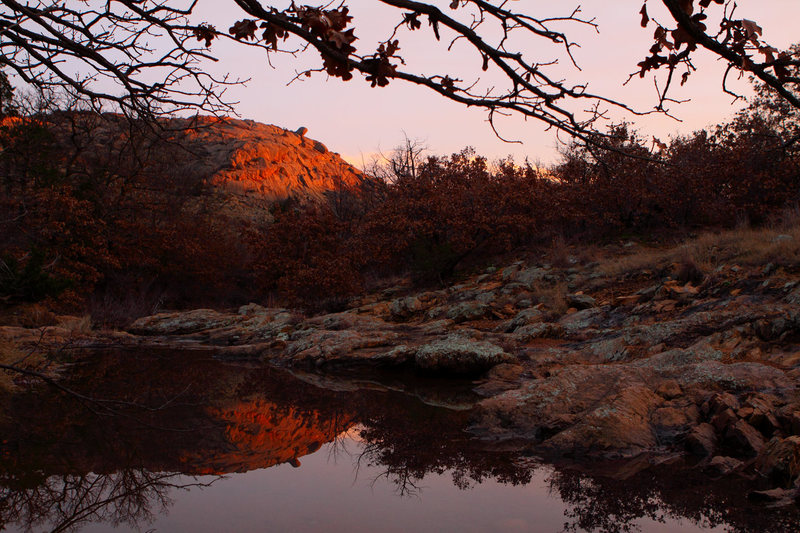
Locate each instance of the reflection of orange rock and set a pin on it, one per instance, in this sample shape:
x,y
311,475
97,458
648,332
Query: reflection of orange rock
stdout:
x,y
260,434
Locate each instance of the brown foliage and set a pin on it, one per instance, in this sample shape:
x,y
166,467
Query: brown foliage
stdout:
x,y
460,208
306,257
86,203
453,208
741,171
106,217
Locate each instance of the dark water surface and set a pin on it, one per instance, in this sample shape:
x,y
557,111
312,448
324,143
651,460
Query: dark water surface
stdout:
x,y
182,442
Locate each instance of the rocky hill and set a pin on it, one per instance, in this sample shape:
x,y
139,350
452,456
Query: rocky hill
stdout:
x,y
249,161
248,165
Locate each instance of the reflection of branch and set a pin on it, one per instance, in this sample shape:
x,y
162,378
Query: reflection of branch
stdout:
x,y
32,350
402,477
66,502
342,424
103,406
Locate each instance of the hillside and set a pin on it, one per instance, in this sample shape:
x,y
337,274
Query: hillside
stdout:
x,y
93,199
250,163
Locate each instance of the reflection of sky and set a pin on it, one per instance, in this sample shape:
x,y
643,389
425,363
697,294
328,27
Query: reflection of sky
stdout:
x,y
353,119
328,493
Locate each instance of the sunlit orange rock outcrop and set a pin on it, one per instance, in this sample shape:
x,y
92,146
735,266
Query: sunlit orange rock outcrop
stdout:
x,y
250,162
248,165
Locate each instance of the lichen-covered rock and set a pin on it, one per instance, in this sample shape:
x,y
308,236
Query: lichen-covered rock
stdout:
x,y
352,321
460,355
530,276
620,426
760,413
540,330
543,403
789,416
487,297
468,311
608,350
183,322
252,309
689,326
724,420
579,322
773,328
524,318
669,389
680,359
437,327
793,297
340,347
733,376
671,422
720,402
775,497
745,438
405,308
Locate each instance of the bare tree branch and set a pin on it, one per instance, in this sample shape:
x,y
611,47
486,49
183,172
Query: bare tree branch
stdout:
x,y
136,54
148,56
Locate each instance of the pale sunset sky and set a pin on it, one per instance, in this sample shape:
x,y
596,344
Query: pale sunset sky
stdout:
x,y
356,120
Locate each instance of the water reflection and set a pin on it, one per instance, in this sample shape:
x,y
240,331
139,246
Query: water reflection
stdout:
x,y
69,501
64,464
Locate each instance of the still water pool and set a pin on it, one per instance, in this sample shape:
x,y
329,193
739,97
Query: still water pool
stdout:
x,y
182,442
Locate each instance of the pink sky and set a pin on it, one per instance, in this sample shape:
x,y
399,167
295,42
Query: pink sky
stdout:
x,y
356,120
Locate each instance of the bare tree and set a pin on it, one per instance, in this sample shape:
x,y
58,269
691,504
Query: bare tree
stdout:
x,y
140,55
403,161
154,53
510,43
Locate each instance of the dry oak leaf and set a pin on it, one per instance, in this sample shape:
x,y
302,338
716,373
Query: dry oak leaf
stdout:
x,y
205,32
244,29
411,20
752,29
339,19
342,39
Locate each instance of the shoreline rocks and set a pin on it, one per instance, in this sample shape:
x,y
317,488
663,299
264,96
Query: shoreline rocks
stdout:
x,y
704,371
